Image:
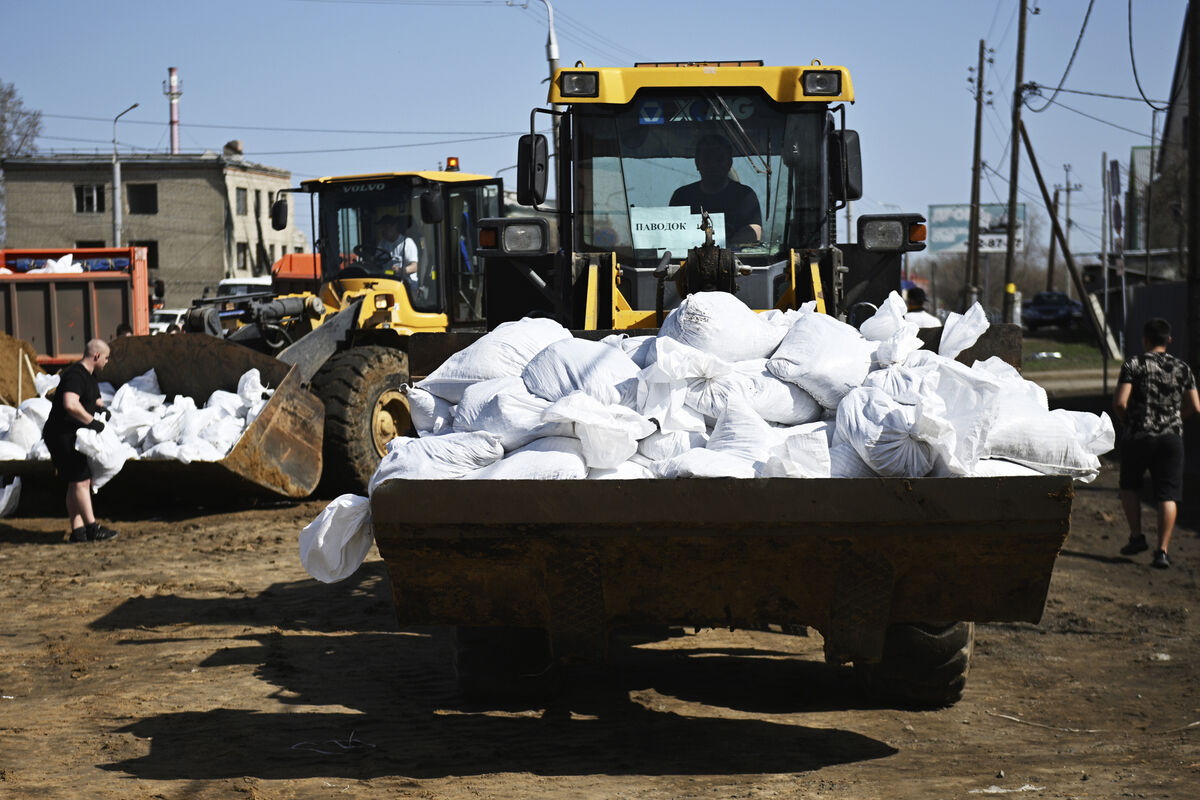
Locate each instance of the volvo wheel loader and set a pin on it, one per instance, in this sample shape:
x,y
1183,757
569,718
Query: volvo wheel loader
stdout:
x,y
348,334
892,572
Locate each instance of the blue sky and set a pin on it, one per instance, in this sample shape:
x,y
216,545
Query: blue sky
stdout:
x,y
327,87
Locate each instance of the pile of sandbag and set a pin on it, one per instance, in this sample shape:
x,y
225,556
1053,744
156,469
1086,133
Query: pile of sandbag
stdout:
x,y
143,423
722,391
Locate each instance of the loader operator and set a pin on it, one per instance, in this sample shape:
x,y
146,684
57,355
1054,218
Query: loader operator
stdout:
x,y
73,407
401,249
717,193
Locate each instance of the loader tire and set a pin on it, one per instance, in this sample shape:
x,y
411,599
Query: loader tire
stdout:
x,y
503,664
364,410
924,665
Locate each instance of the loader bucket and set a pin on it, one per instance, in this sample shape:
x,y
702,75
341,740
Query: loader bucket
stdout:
x,y
279,453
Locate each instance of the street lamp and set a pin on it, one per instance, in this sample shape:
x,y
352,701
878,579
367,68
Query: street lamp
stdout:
x,y
116,217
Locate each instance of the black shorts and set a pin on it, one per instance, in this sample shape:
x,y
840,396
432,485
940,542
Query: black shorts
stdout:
x,y
72,465
1162,454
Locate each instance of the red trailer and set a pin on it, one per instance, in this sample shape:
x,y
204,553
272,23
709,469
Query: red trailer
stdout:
x,y
58,312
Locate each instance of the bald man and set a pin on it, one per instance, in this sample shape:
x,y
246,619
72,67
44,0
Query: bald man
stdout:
x,y
74,406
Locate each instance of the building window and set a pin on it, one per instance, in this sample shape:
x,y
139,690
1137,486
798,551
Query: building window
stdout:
x,y
85,243
282,250
258,202
243,254
241,202
143,198
89,198
271,250
151,246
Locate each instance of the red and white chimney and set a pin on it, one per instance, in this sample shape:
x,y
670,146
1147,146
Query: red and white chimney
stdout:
x,y
173,88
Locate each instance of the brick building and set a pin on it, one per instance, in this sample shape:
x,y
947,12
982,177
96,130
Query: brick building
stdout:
x,y
202,217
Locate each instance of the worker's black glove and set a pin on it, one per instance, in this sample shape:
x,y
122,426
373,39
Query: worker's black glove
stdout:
x,y
105,413
96,425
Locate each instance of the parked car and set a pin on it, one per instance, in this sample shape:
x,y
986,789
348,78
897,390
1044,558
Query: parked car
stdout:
x,y
163,318
1050,309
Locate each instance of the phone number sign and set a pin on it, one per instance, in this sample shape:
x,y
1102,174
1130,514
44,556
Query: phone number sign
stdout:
x,y
950,228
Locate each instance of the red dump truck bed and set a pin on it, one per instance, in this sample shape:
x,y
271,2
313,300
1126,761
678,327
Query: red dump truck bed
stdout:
x,y
58,312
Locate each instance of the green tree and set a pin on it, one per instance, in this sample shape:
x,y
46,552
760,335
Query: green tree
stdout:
x,y
19,129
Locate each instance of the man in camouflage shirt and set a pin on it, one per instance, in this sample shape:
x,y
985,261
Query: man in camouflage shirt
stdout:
x,y
1155,394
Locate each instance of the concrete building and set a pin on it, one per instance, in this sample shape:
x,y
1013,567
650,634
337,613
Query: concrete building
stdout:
x,y
202,217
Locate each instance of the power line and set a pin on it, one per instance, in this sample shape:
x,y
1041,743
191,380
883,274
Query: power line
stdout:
x,y
1133,63
1074,52
281,129
1035,86
1061,104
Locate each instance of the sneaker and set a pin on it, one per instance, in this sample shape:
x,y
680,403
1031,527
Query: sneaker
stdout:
x,y
99,533
1136,544
80,535
1160,560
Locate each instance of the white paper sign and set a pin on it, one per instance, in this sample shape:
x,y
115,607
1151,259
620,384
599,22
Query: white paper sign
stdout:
x,y
673,228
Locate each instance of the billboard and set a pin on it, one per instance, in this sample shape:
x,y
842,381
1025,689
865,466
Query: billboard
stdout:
x,y
950,225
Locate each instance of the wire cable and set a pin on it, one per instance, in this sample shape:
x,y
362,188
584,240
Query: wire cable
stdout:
x,y
287,129
1075,51
1061,104
1133,63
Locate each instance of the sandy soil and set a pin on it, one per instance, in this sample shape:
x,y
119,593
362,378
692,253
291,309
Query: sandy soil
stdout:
x,y
193,657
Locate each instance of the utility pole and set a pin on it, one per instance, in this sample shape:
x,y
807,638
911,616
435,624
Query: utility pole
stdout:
x,y
1053,246
973,236
1104,234
1014,168
1068,188
552,60
116,212
1150,188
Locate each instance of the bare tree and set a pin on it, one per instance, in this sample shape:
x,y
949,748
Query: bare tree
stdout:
x,y
19,129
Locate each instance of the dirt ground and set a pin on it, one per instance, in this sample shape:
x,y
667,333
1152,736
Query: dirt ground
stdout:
x,y
192,657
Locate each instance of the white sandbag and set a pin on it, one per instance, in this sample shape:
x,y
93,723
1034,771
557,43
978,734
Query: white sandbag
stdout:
x,y
7,415
23,432
134,424
955,407
886,321
569,365
703,463
477,395
147,382
336,543
550,458
223,433
720,324
899,382
12,451
516,417
636,468
449,456
845,462
250,386
771,398
663,385
39,452
106,454
1094,431
662,445
1040,440
10,496
999,468
504,351
803,453
44,383
742,433
228,402
169,427
780,319
37,409
896,348
881,432
164,451
609,434
962,331
1012,383
823,356
431,415
130,396
639,348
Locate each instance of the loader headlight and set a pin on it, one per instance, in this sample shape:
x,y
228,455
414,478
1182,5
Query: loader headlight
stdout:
x,y
523,238
822,82
383,302
579,84
513,236
315,307
891,233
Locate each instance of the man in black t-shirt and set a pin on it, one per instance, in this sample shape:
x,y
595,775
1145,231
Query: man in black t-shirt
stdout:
x,y
74,406
1155,393
717,193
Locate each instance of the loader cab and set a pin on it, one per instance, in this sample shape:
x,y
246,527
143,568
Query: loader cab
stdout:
x,y
645,151
429,214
